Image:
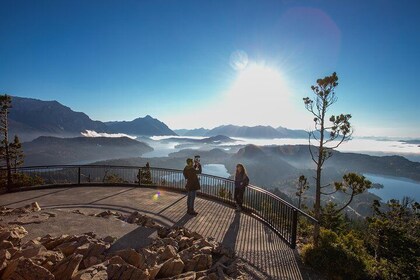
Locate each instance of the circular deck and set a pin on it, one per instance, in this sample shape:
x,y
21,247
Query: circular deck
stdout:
x,y
251,239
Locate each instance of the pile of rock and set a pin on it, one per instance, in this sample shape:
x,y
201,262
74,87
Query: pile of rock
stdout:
x,y
176,253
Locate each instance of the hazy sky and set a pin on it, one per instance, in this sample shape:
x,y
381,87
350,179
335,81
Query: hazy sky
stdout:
x,y
206,63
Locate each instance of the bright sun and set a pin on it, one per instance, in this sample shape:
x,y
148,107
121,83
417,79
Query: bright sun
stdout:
x,y
259,95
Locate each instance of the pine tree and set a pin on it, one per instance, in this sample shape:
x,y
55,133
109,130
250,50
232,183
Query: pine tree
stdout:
x,y
16,153
5,105
329,133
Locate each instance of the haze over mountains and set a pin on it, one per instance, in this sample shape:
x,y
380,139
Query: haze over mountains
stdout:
x,y
264,132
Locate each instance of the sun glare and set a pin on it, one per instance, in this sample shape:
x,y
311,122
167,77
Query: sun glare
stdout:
x,y
261,92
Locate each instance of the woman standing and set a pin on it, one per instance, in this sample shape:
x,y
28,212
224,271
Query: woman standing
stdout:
x,y
241,181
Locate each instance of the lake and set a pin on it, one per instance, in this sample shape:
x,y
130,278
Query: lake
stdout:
x,y
216,170
394,187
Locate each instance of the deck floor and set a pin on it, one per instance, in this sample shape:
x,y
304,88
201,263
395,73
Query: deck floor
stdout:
x,y
251,239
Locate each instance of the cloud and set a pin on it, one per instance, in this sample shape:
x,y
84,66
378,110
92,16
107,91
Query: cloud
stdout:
x,y
92,133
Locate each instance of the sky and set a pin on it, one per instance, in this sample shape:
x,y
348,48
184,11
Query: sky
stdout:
x,y
206,63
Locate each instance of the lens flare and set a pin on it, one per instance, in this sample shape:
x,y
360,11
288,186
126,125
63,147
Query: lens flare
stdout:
x,y
156,196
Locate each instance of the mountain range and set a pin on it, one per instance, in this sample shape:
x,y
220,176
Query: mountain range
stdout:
x,y
262,132
31,118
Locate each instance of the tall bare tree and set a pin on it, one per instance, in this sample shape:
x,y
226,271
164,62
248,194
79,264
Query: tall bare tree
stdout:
x,y
328,134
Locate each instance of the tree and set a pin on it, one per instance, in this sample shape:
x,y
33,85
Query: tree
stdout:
x,y
5,105
394,237
352,185
16,153
302,187
331,218
329,133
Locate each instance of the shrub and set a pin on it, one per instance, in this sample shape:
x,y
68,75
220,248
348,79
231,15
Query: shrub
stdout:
x,y
338,257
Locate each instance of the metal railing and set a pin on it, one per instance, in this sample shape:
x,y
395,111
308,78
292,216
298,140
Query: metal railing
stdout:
x,y
279,215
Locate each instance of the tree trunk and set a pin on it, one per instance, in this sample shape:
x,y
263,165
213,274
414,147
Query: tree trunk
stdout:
x,y
317,207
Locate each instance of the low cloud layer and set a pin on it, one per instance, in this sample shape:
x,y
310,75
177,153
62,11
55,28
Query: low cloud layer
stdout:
x,y
92,133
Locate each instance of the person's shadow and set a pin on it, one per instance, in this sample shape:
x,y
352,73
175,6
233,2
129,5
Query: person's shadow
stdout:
x,y
231,235
183,221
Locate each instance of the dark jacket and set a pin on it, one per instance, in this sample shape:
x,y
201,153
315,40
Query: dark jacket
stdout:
x,y
190,174
241,180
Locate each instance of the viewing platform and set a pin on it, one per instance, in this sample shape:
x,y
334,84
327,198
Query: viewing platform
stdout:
x,y
252,234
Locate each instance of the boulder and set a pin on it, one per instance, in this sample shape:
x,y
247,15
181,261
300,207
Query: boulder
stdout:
x,y
170,268
4,258
4,244
25,269
13,234
126,272
67,268
149,256
185,242
199,262
131,257
34,206
30,251
97,272
168,253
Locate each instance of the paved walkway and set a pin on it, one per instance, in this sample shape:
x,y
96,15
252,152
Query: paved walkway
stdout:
x,y
251,239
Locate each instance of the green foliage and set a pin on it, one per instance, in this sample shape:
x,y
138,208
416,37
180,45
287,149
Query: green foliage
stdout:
x,y
16,153
21,180
332,219
225,193
144,176
338,257
394,240
113,179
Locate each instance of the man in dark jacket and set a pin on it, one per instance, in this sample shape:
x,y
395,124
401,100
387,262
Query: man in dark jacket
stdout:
x,y
193,184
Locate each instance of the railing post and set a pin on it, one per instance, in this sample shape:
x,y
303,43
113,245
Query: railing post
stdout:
x,y
78,175
294,229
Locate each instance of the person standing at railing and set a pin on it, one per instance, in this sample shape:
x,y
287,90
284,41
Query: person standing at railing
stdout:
x,y
241,182
192,185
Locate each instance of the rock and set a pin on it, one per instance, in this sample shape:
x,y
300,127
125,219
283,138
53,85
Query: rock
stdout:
x,y
51,242
131,257
185,242
153,271
199,262
67,268
115,260
171,267
94,249
163,232
30,251
35,207
168,253
49,259
211,276
97,272
13,234
74,242
25,269
170,241
4,244
109,239
31,219
91,261
206,250
191,275
126,272
150,257
4,257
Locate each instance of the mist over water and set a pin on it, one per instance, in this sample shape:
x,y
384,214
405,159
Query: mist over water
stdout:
x,y
394,187
356,145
